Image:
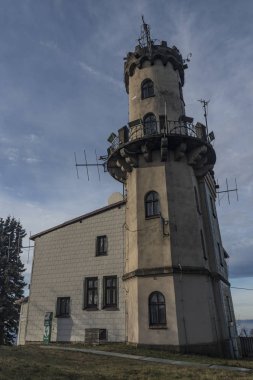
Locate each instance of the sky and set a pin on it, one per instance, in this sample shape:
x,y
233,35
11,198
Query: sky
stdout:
x,y
62,91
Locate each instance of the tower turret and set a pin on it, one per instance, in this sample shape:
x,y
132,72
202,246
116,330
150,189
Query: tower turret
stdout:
x,y
177,289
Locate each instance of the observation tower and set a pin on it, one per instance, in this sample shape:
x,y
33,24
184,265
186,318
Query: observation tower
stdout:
x,y
175,276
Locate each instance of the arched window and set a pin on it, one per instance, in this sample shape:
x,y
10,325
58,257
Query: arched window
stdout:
x,y
152,206
157,309
147,89
149,122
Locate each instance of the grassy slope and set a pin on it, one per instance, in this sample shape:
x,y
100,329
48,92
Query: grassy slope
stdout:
x,y
35,363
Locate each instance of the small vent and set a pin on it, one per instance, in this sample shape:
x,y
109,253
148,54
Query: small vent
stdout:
x,y
95,336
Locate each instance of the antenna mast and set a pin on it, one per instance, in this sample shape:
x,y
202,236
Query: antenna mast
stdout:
x,y
145,39
205,106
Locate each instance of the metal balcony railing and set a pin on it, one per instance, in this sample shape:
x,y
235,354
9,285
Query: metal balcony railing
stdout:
x,y
171,128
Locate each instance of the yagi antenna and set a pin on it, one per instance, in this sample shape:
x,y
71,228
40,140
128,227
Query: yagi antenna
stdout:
x,y
97,164
77,174
29,248
87,165
227,191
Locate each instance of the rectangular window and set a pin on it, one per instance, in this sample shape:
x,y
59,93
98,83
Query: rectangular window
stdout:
x,y
203,245
63,307
110,291
220,254
101,245
91,293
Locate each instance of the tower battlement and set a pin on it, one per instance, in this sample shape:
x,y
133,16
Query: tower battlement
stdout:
x,y
143,55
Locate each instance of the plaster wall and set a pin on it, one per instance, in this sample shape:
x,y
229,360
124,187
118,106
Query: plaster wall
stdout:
x,y
147,247
185,220
196,316
132,310
166,87
157,336
63,258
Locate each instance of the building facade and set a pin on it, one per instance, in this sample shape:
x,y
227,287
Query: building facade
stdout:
x,y
77,275
150,269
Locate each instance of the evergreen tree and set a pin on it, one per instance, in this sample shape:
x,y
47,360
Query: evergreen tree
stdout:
x,y
11,278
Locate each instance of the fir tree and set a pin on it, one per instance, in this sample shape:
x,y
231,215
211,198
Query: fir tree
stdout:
x,y
11,277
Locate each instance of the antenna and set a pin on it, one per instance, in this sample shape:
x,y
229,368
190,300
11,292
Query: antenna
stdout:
x,y
145,39
205,106
227,191
97,164
87,165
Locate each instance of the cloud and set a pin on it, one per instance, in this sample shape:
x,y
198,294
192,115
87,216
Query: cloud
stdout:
x,y
49,44
100,76
31,160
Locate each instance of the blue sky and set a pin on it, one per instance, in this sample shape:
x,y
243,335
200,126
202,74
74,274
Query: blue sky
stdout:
x,y
61,70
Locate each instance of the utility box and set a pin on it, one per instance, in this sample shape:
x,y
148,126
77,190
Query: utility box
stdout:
x,y
47,327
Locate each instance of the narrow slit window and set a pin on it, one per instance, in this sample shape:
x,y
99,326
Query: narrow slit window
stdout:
x,y
229,310
197,200
181,91
220,254
212,207
203,245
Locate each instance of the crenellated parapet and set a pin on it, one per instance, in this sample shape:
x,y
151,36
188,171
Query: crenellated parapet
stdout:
x,y
161,52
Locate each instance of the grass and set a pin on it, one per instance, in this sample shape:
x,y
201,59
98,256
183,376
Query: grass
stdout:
x,y
128,349
36,363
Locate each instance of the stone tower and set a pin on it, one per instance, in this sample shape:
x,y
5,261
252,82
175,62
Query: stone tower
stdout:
x,y
176,279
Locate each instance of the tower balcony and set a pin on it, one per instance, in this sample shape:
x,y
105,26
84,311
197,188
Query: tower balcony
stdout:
x,y
183,138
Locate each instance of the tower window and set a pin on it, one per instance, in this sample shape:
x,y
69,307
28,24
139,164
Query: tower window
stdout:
x,y
101,245
157,310
147,89
149,122
152,206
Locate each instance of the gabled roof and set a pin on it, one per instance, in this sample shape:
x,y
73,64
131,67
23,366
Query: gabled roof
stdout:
x,y
79,218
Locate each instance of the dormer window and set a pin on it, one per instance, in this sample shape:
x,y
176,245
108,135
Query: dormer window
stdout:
x,y
149,122
147,89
